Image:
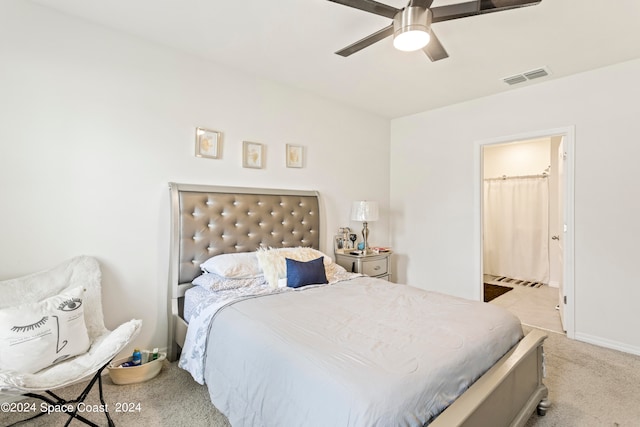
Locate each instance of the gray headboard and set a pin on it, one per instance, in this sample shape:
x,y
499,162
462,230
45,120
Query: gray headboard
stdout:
x,y
212,220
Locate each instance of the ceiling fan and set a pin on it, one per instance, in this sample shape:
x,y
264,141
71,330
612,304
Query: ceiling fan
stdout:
x,y
411,26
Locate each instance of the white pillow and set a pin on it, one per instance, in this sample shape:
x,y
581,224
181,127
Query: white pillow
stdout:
x,y
274,266
239,265
36,335
213,282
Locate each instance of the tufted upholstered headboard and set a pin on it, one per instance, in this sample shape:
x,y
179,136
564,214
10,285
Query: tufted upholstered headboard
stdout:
x,y
212,220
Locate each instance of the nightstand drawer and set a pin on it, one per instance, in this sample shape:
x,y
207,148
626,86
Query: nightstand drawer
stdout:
x,y
375,267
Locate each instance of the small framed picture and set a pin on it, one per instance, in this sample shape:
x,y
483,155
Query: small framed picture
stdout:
x,y
208,143
252,155
294,156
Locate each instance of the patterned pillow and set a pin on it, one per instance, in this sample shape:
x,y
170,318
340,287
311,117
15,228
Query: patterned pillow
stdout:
x,y
37,335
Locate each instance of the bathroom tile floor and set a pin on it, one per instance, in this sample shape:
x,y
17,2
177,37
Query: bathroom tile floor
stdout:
x,y
533,306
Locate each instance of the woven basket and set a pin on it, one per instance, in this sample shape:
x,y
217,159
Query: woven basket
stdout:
x,y
135,374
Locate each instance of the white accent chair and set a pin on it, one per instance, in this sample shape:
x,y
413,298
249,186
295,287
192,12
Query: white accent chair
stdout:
x,y
104,344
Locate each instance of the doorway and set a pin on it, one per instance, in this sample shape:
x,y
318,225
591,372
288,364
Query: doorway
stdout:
x,y
536,260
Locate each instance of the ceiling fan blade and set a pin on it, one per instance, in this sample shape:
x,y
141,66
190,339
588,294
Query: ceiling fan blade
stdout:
x,y
471,8
426,4
453,11
367,41
434,50
370,6
488,6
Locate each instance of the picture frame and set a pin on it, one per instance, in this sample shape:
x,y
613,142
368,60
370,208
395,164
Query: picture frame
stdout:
x,y
295,156
252,155
208,143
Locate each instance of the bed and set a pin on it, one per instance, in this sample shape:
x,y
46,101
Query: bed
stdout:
x,y
354,351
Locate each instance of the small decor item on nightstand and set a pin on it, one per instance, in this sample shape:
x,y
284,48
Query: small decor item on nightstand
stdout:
x,y
353,237
342,242
380,250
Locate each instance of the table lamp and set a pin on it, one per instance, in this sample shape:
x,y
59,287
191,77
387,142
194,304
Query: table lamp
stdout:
x,y
365,211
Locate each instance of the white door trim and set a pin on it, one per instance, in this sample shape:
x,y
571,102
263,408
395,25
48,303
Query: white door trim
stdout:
x,y
568,133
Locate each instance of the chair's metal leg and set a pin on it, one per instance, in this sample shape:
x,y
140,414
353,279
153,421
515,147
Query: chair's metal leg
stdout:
x,y
55,396
83,396
27,419
104,405
73,414
55,403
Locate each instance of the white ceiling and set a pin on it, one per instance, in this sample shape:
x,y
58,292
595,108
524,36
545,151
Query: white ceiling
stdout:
x,y
293,42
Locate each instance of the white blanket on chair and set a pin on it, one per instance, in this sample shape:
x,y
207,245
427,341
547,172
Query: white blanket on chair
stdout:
x,y
78,271
105,345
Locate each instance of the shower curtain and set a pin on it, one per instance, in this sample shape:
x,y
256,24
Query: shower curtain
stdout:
x,y
516,228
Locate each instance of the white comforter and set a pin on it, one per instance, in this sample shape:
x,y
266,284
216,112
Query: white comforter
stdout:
x,y
192,358
362,352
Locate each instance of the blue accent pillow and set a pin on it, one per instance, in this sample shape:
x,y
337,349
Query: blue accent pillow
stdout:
x,y
301,273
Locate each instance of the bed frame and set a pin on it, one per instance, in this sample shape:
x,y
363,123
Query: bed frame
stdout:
x,y
211,220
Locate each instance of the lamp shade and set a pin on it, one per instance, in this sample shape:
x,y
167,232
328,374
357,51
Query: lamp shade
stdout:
x,y
364,210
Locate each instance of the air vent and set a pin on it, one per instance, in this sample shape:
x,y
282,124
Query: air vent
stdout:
x,y
514,80
527,75
536,74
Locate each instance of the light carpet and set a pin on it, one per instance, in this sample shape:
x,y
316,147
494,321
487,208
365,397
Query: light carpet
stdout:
x,y
589,386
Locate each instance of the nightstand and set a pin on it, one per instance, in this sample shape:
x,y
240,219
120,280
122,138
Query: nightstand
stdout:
x,y
374,265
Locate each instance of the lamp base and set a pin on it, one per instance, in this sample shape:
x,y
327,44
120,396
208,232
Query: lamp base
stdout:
x,y
365,236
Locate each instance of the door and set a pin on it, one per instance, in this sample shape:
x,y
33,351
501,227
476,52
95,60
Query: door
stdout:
x,y
564,228
562,225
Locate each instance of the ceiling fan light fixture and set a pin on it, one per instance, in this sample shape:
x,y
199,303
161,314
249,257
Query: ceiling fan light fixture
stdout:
x,y
411,28
412,40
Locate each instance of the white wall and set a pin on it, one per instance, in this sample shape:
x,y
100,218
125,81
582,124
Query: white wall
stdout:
x,y
435,214
515,159
95,123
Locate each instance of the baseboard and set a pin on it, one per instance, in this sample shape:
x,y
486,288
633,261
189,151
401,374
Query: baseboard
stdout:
x,y
602,342
553,284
